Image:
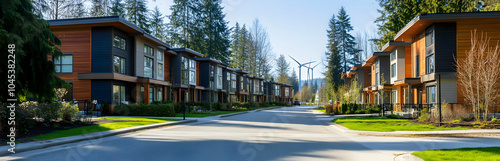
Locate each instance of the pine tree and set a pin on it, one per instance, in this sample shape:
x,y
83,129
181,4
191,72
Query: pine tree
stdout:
x,y
215,30
346,41
282,70
294,80
334,65
27,35
137,13
235,44
183,23
98,8
117,8
156,24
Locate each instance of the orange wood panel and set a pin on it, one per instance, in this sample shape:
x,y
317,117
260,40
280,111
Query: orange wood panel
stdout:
x,y
146,93
78,41
197,73
167,68
408,59
373,73
368,79
489,26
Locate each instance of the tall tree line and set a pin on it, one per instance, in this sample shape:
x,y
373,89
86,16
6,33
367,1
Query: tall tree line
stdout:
x,y
251,50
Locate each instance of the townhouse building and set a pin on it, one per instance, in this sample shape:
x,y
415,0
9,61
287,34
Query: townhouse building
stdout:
x,y
378,64
257,89
242,85
361,76
211,78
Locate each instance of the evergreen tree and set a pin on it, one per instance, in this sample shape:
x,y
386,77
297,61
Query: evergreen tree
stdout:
x,y
98,8
215,30
334,65
346,41
294,80
235,44
184,23
117,8
78,9
282,70
33,45
156,24
137,13
54,9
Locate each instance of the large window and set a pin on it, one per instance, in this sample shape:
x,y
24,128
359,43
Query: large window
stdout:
x,y
192,72
64,64
241,84
261,86
159,96
287,92
393,70
160,70
233,80
393,55
431,94
256,86
429,38
148,67
159,55
278,90
151,94
118,64
429,64
119,42
118,94
185,70
148,50
394,97
228,82
219,77
212,76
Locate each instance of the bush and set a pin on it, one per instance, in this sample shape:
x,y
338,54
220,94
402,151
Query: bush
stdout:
x,y
329,109
394,117
424,115
495,120
48,111
24,118
105,108
216,106
163,110
359,111
68,111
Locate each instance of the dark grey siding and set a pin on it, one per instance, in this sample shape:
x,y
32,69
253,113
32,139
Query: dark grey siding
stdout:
x,y
175,69
445,47
101,49
205,74
385,68
102,90
128,53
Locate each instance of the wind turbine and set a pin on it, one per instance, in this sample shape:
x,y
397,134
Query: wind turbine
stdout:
x,y
312,70
300,68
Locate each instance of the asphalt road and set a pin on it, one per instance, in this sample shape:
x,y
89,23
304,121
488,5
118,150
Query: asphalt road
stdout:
x,y
280,134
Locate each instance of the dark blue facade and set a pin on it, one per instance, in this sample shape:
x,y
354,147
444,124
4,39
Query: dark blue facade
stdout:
x,y
101,49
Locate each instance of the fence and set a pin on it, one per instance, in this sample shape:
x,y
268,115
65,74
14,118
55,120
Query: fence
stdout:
x,y
86,107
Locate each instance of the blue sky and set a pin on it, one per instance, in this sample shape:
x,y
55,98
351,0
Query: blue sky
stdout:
x,y
295,27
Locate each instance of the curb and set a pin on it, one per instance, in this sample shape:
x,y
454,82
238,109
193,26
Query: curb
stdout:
x,y
418,133
266,109
71,139
407,157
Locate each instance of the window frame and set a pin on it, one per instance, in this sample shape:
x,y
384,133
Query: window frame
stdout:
x,y
393,70
152,67
431,94
429,38
430,65
60,64
121,66
121,94
159,69
147,52
192,70
219,77
122,42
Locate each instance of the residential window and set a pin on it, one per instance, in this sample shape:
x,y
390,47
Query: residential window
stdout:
x,y
261,86
159,95
148,67
393,70
287,92
394,97
118,64
64,64
159,55
431,94
119,42
192,72
393,55
148,50
219,77
211,76
185,70
233,80
429,63
429,38
256,86
241,83
160,70
151,94
118,94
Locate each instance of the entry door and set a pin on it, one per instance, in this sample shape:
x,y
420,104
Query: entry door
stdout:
x,y
419,95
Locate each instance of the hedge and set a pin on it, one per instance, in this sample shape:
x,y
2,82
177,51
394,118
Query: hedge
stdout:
x,y
162,110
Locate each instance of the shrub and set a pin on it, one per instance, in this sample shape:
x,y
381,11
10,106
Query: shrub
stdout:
x,y
48,111
394,117
348,112
329,109
495,120
105,108
121,110
424,115
68,111
359,111
456,121
24,118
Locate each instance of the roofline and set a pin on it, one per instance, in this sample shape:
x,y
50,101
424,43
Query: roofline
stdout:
x,y
445,16
393,43
190,51
209,60
105,19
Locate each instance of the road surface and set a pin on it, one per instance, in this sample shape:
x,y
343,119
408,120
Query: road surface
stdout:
x,y
294,133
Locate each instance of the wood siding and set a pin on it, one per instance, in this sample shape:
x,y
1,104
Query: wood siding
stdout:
x,y
408,60
488,26
418,48
78,41
166,73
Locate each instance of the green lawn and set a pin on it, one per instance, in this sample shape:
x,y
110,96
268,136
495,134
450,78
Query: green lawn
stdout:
x,y
130,121
479,154
321,110
388,125
205,114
